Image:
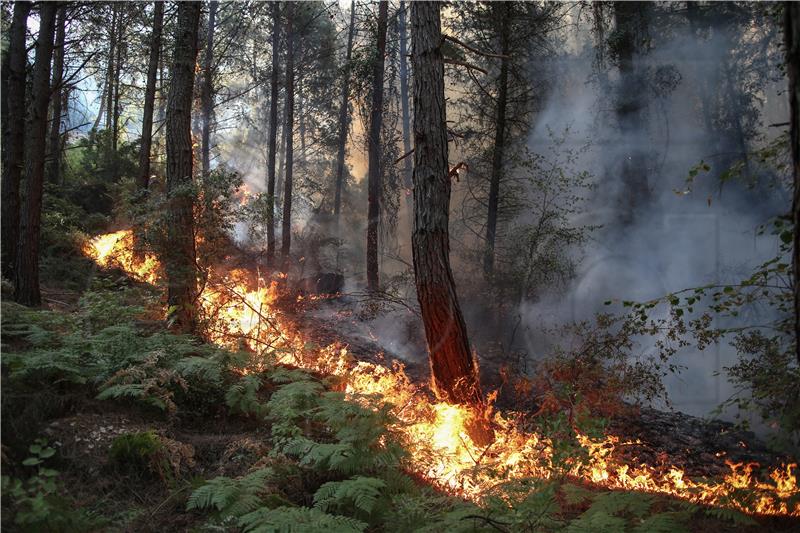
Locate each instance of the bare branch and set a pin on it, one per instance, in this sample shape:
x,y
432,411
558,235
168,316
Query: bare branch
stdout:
x,y
474,50
464,64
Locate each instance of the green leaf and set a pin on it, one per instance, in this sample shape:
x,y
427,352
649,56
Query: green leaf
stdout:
x,y
32,461
47,452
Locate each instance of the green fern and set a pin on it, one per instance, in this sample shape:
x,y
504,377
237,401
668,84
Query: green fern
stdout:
x,y
730,515
201,368
670,522
358,495
242,396
289,375
298,520
597,521
617,503
231,497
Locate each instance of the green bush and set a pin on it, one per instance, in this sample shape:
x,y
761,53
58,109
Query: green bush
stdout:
x,y
139,452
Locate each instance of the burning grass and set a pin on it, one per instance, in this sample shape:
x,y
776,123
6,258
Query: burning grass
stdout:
x,y
238,311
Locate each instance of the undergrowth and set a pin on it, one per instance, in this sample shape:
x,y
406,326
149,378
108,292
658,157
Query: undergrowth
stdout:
x,y
334,463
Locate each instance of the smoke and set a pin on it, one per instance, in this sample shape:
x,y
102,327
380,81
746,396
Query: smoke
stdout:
x,y
674,241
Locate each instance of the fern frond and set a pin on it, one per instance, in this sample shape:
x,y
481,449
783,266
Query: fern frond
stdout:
x,y
359,493
730,515
231,497
672,522
298,520
621,503
243,396
201,368
597,521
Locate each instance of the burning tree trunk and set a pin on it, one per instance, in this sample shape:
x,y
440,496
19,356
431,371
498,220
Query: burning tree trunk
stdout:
x,y
503,12
207,96
455,375
344,117
287,186
53,169
179,249
407,183
374,149
150,97
14,141
792,36
273,134
26,273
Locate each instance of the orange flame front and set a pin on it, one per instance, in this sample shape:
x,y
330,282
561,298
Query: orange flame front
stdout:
x,y
436,432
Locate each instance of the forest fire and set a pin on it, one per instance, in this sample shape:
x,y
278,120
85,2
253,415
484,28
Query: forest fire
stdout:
x,y
235,314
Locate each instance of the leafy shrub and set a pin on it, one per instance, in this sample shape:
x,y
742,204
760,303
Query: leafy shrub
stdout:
x,y
139,452
37,505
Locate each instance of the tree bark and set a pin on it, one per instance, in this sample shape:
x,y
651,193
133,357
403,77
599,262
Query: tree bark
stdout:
x,y
143,180
179,250
14,142
406,114
273,134
207,96
301,117
792,36
287,186
374,151
112,48
117,110
503,12
344,117
455,374
26,273
280,178
631,21
53,168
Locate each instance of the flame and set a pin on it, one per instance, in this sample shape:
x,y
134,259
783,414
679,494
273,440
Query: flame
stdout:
x,y
116,250
238,311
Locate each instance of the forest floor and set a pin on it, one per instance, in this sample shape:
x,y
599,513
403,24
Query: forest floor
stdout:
x,y
203,439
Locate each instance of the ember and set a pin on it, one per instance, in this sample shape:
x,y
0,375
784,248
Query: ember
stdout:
x,y
436,432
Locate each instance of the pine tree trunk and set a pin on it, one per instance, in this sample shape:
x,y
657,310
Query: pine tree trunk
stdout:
x,y
179,250
503,12
208,89
631,21
112,50
273,134
344,117
374,151
26,273
698,23
117,81
289,132
14,143
454,371
4,74
301,118
100,115
407,170
150,97
53,169
280,178
792,36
